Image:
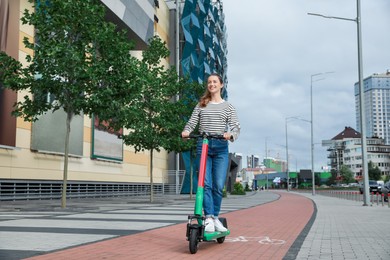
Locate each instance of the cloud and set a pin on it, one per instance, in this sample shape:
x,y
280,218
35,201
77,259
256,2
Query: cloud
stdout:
x,y
273,49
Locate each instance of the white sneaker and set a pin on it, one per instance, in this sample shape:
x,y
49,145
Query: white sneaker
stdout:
x,y
209,225
219,226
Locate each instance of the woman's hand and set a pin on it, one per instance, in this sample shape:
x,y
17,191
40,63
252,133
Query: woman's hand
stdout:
x,y
185,134
228,136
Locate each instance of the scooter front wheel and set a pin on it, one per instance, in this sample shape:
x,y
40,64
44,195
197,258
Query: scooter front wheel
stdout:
x,y
193,240
220,240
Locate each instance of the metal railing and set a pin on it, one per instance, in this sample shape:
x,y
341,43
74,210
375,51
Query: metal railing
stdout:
x,y
173,181
376,199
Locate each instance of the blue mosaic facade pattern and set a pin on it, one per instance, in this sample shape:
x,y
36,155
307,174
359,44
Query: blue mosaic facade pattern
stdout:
x,y
204,52
204,32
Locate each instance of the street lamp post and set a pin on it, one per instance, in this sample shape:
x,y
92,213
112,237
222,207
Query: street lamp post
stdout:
x,y
287,166
177,64
266,155
357,20
311,127
288,177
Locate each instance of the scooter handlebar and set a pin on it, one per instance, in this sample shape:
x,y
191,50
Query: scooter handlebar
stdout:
x,y
208,136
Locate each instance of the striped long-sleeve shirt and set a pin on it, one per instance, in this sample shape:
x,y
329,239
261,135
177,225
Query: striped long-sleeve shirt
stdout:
x,y
215,118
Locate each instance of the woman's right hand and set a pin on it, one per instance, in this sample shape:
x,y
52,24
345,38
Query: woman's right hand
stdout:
x,y
185,134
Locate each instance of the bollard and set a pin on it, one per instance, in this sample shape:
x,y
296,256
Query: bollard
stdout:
x,y
377,198
372,198
388,200
383,199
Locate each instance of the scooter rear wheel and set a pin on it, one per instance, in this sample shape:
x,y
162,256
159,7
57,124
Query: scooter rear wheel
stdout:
x,y
193,240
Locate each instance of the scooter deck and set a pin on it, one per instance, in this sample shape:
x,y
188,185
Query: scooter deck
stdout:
x,y
214,235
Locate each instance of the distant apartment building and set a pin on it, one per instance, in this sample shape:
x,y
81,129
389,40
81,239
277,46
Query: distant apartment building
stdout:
x,y
253,161
376,106
276,164
345,149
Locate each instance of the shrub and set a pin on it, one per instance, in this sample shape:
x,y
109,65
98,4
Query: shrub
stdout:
x,y
238,189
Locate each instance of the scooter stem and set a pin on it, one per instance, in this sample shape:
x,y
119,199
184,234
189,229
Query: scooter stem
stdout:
x,y
202,172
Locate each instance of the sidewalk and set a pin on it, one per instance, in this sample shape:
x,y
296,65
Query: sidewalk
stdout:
x,y
260,232
344,229
264,225
29,228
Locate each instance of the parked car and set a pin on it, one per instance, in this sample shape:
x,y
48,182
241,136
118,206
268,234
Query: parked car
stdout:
x,y
374,187
386,190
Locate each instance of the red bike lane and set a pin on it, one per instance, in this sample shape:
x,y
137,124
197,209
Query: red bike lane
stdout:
x,y
266,231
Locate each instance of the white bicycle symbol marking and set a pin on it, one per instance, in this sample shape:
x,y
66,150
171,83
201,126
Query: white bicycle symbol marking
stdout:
x,y
265,240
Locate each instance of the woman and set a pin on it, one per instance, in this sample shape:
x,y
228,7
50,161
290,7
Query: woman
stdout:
x,y
214,116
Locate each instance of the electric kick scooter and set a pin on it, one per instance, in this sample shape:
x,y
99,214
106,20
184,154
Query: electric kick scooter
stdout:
x,y
196,223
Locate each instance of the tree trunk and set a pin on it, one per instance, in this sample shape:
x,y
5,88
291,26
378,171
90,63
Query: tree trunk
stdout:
x,y
65,179
151,175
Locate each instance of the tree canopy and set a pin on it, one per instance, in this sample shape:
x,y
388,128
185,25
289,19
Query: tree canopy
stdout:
x,y
374,173
346,174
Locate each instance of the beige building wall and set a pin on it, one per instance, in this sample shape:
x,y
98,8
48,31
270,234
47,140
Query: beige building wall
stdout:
x,y
24,164
161,28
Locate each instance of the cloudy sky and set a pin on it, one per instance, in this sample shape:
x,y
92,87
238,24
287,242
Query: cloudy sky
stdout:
x,y
273,49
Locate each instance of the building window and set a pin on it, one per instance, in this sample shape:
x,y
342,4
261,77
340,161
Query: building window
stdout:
x,y
105,143
51,126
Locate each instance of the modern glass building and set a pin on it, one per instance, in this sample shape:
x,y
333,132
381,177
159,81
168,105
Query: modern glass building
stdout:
x,y
376,105
204,47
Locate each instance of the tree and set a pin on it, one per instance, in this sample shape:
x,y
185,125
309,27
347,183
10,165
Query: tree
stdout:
x,y
374,173
156,120
346,174
317,178
78,59
189,97
332,178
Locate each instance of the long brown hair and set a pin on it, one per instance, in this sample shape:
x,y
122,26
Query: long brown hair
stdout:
x,y
205,99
